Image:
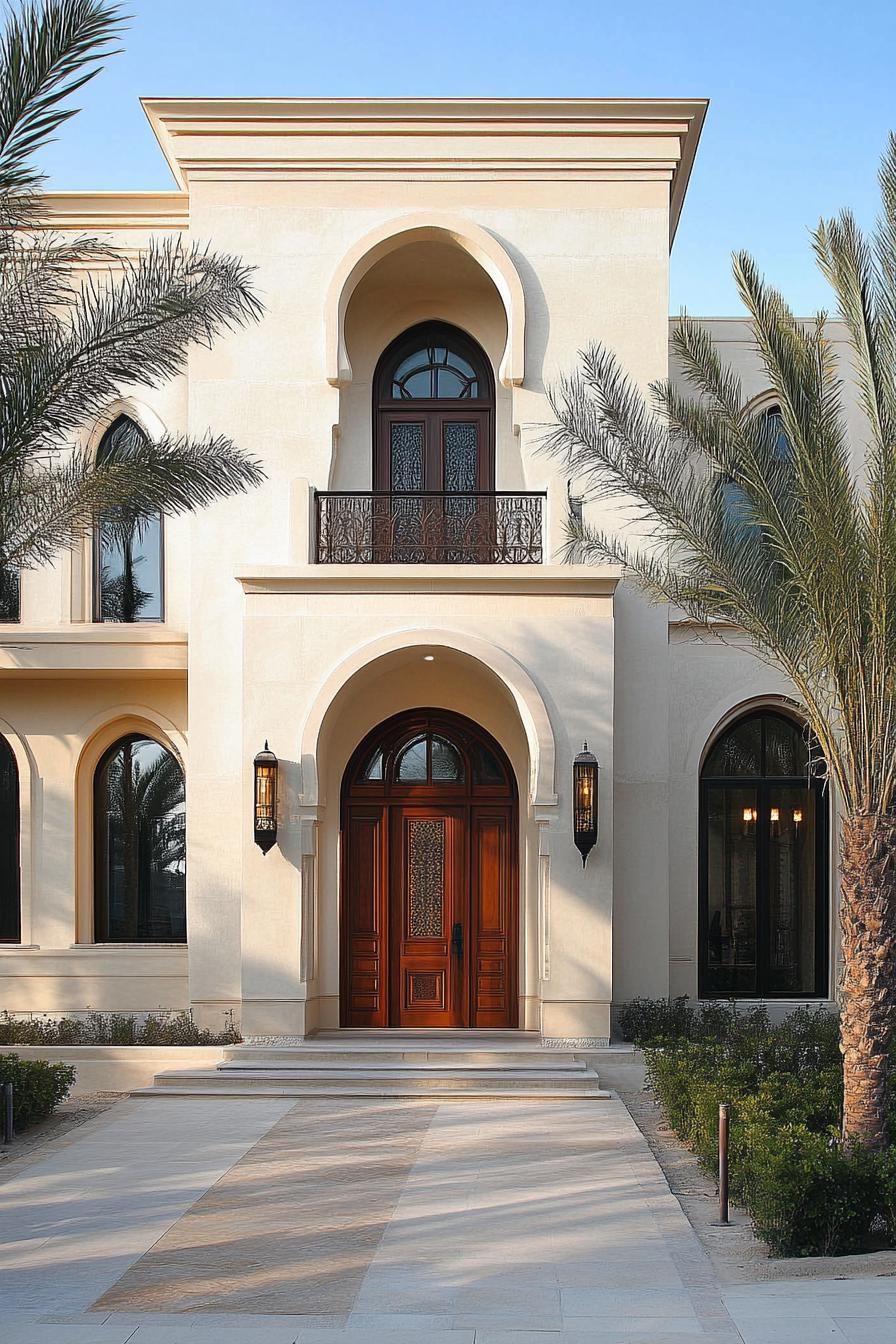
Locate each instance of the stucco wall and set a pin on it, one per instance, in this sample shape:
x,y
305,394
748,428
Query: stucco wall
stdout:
x,y
593,261
58,726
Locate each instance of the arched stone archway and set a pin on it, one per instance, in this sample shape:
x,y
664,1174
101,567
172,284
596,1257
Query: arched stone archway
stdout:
x,y
491,661
432,226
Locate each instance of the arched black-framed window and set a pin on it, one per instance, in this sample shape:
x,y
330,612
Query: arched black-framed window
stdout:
x,y
763,863
128,561
139,844
434,413
10,873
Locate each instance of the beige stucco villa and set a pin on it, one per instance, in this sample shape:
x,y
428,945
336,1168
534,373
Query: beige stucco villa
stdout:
x,y
389,612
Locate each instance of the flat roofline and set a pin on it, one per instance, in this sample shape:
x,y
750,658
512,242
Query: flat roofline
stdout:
x,y
115,209
549,118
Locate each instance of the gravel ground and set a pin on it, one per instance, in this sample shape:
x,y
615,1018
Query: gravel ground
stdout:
x,y
737,1255
62,1125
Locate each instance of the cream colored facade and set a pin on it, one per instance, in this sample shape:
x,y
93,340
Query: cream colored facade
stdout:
x,y
535,227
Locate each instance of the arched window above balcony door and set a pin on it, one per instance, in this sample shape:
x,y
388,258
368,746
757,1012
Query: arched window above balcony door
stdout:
x,y
434,414
127,550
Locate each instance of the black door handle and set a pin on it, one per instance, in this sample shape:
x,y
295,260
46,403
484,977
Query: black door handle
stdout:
x,y
457,941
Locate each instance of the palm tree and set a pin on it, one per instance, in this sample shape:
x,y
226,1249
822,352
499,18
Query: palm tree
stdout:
x,y
786,540
66,347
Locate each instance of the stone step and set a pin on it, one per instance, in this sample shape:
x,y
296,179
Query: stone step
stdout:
x,y
410,1063
467,1038
335,1082
398,1066
254,1056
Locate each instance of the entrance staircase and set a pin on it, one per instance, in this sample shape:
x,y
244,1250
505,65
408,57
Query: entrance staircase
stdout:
x,y
449,1065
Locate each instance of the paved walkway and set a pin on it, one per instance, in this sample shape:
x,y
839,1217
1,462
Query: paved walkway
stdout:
x,y
165,1221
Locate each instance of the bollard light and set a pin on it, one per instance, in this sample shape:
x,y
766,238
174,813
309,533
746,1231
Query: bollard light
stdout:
x,y
584,802
265,799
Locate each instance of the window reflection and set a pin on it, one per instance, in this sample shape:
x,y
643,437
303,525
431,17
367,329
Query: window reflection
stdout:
x,y
435,372
10,600
10,895
139,844
412,762
447,765
127,548
763,871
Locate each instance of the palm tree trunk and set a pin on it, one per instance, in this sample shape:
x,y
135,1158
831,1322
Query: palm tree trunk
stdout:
x,y
868,984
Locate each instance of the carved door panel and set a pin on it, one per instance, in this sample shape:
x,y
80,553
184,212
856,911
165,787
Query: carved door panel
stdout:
x,y
492,934
430,921
433,464
364,968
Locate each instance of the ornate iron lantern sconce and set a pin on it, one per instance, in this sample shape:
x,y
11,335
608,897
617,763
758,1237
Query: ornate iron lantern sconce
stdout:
x,y
584,802
265,799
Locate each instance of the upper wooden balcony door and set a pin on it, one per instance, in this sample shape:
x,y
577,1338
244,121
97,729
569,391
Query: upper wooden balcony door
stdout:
x,y
429,885
434,412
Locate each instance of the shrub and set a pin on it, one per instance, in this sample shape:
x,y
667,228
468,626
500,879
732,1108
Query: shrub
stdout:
x,y
807,1195
163,1028
38,1087
647,1021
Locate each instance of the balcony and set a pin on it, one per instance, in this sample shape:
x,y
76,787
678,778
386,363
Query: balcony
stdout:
x,y
431,528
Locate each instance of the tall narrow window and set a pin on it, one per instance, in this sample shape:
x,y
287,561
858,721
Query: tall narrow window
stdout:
x,y
127,550
139,845
10,882
763,864
10,601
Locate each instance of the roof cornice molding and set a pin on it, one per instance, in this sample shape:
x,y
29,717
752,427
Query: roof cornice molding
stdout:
x,y
88,210
434,139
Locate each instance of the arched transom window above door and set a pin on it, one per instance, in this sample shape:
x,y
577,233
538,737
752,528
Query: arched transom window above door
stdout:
x,y
429,755
434,409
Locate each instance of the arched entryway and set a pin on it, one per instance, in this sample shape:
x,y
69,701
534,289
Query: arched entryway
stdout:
x,y
429,877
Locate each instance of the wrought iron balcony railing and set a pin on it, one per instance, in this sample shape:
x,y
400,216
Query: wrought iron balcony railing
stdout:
x,y
382,528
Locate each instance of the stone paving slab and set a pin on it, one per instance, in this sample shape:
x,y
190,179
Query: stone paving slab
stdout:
x,y
360,1221
293,1226
72,1223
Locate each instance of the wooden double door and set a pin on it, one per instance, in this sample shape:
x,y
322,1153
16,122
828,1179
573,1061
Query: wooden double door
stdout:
x,y
429,889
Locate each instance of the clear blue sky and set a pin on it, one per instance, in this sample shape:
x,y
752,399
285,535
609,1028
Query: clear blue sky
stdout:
x,y
803,94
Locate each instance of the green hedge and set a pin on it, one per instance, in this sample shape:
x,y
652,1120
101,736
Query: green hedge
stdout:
x,y
38,1087
112,1029
806,1193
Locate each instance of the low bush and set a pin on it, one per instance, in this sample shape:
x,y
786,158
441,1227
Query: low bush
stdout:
x,y
806,1193
112,1029
37,1087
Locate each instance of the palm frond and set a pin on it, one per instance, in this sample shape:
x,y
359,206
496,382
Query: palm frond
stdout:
x,y
47,52
45,510
134,329
717,512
